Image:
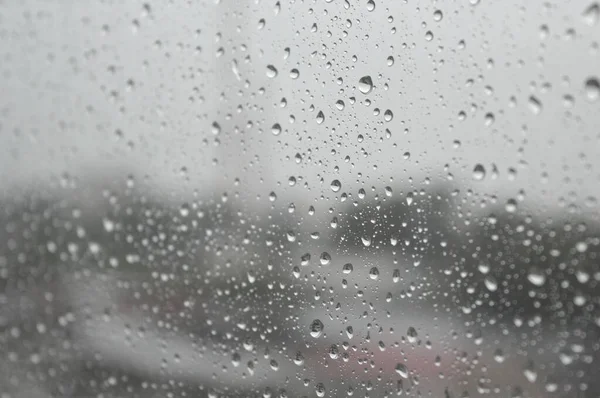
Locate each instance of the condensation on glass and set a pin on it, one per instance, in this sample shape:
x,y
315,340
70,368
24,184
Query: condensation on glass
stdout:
x,y
299,198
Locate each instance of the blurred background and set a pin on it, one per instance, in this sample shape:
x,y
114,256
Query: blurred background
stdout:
x,y
299,198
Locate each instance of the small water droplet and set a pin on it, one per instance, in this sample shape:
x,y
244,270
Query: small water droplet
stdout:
x,y
429,35
294,73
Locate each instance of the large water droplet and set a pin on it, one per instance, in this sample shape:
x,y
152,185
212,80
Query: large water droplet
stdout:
x,y
412,335
536,276
402,370
271,71
336,185
592,89
276,129
320,117
316,328
347,268
479,172
365,84
374,273
591,13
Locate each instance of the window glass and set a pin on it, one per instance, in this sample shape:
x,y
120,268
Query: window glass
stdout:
x,y
299,198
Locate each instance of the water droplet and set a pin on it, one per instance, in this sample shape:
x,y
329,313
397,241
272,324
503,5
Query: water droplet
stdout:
x,y
437,15
535,106
388,115
374,273
305,259
479,172
591,13
334,351
320,117
271,71
320,390
316,328
499,355
347,268
336,185
402,370
412,335
536,276
365,84
490,283
489,119
340,105
511,206
366,241
294,73
370,5
325,258
592,89
276,129
299,359
429,35
390,61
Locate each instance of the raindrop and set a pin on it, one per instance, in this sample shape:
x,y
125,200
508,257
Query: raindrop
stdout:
x,y
325,258
294,73
592,89
276,129
320,390
316,328
429,35
370,5
374,273
347,268
490,283
390,61
535,105
320,117
437,15
365,84
479,172
271,71
536,276
336,185
511,205
412,335
402,370
388,116
340,105
590,14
